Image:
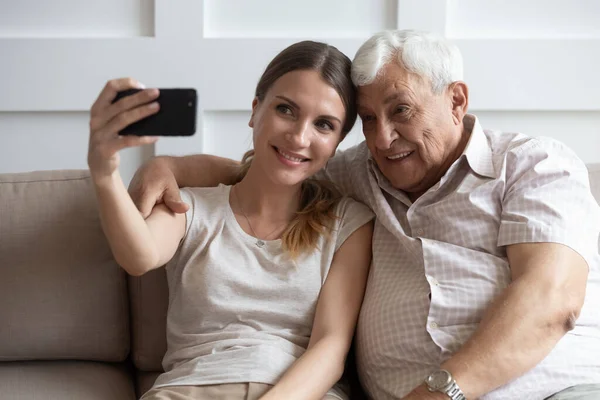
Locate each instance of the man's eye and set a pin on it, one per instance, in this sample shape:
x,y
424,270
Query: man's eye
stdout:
x,y
367,118
284,109
400,109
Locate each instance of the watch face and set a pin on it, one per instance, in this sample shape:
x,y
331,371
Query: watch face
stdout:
x,y
439,379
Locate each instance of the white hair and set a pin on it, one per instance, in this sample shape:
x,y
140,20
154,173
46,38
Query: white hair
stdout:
x,y
422,53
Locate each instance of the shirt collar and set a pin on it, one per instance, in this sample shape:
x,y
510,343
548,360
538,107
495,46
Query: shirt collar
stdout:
x,y
478,151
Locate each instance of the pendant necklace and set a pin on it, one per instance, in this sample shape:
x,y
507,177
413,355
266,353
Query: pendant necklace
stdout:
x,y
259,242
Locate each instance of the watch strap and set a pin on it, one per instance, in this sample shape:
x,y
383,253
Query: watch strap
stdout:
x,y
454,392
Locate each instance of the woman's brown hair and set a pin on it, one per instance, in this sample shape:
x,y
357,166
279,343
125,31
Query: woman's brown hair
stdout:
x,y
318,198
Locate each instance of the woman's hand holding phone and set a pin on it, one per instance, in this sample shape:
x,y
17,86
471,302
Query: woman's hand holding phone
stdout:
x,y
107,119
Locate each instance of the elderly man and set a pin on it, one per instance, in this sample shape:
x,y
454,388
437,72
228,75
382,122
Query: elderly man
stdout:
x,y
484,245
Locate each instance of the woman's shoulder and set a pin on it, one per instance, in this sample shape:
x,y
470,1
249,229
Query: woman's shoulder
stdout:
x,y
207,198
350,216
348,207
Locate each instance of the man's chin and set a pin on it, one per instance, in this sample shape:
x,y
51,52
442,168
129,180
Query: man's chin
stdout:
x,y
399,180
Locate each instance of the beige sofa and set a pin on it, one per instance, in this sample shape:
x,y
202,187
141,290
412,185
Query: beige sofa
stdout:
x,y
73,325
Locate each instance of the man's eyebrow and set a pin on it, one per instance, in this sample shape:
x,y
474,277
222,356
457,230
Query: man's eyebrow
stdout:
x,y
298,107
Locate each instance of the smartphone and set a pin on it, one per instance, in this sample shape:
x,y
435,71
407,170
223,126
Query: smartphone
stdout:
x,y
176,116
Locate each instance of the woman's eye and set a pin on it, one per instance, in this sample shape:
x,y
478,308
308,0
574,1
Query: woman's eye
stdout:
x,y
284,109
323,124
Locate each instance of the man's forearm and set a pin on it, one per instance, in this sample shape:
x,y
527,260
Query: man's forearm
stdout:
x,y
201,170
517,331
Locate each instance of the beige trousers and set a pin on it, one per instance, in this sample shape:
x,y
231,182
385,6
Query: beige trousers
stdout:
x,y
229,391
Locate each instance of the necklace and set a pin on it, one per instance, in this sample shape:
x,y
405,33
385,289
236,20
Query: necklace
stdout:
x,y
259,242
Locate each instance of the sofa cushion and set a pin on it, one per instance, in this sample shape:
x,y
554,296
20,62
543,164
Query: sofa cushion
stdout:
x,y
144,381
62,296
28,380
149,298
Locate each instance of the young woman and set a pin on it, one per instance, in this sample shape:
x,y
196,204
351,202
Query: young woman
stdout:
x,y
266,277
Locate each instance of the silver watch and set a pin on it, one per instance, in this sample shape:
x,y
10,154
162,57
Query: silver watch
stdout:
x,y
443,382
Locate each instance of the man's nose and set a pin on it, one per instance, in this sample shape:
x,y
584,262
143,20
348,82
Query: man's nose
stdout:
x,y
385,134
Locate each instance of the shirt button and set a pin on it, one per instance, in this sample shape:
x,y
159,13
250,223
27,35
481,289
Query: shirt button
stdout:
x,y
433,325
419,232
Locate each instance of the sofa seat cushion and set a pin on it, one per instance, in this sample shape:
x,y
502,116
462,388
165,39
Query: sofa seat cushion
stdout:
x,y
37,380
149,298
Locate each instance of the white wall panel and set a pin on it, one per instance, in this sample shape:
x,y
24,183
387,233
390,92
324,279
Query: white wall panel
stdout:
x,y
180,19
490,19
226,133
303,19
423,15
580,130
54,140
225,71
76,18
532,74
354,137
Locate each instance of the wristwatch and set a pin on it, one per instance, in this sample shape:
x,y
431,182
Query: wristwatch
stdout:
x,y
443,382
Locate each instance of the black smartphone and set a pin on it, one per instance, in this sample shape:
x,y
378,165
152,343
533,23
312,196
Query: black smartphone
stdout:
x,y
176,116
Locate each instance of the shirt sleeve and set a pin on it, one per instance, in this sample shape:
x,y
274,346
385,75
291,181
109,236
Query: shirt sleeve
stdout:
x,y
352,215
187,196
548,199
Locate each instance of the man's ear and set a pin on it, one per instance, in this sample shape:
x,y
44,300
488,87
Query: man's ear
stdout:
x,y
459,95
254,106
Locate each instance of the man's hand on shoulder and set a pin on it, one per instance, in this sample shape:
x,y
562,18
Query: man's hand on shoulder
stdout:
x,y
155,183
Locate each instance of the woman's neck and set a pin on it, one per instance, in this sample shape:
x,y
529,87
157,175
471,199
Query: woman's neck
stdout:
x,y
259,198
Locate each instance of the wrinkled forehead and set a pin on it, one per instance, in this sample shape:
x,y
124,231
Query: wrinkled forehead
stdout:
x,y
393,82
